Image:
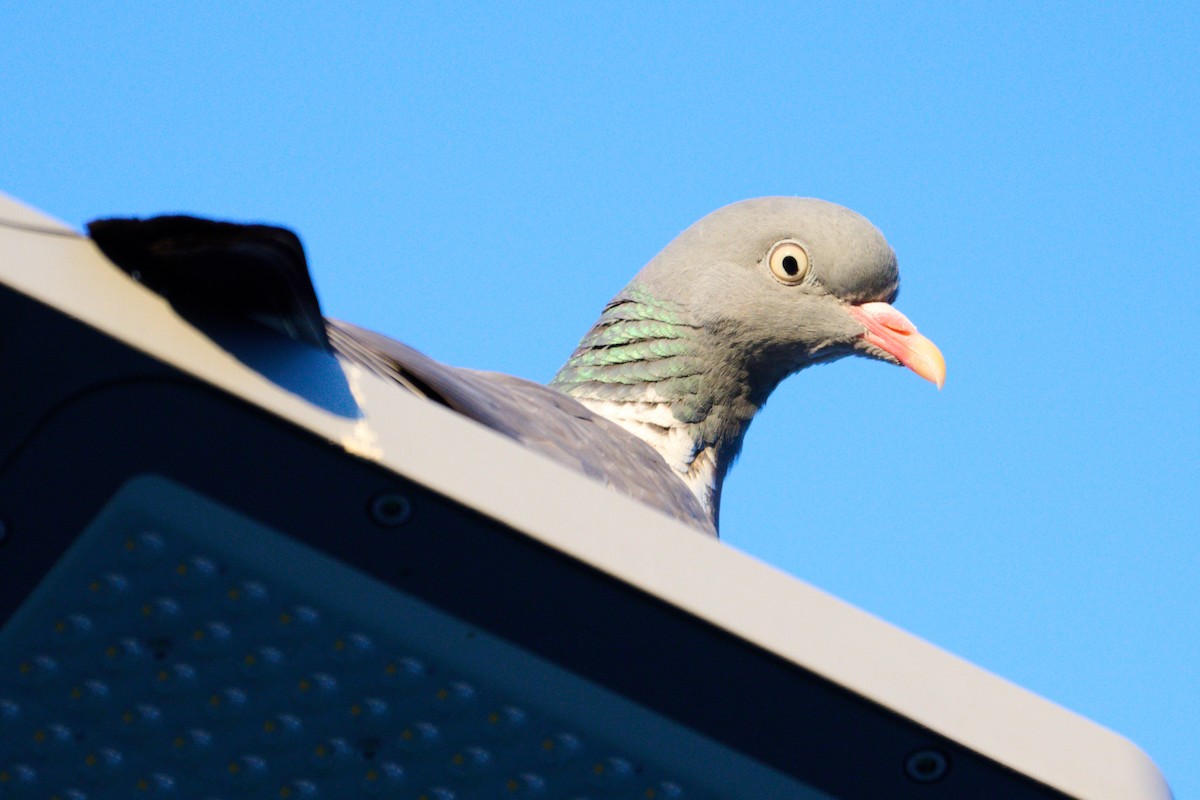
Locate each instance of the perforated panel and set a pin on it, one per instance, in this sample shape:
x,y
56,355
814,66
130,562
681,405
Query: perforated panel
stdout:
x,y
180,645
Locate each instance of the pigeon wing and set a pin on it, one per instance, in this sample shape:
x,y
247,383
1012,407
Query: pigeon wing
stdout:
x,y
537,416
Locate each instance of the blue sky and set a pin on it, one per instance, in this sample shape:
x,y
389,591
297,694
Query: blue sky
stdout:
x,y
478,180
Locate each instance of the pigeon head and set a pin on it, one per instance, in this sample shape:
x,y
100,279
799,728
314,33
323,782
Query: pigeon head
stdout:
x,y
690,350
780,283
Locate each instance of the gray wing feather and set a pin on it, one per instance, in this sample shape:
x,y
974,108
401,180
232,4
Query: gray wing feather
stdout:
x,y
537,416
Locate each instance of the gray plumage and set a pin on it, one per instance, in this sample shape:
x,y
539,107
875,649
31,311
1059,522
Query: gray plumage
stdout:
x,y
656,399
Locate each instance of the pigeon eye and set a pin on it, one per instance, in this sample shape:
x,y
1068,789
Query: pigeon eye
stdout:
x,y
789,262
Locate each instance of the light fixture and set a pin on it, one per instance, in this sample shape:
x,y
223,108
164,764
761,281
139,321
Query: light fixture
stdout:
x,y
247,570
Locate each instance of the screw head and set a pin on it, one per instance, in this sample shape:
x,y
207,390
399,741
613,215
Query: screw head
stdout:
x,y
390,509
926,766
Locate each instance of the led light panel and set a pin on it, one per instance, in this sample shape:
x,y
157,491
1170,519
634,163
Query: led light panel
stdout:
x,y
181,649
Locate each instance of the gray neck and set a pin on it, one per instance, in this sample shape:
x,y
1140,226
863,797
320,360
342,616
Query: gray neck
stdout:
x,y
648,367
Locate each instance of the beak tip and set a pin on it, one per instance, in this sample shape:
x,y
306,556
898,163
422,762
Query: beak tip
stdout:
x,y
928,362
940,371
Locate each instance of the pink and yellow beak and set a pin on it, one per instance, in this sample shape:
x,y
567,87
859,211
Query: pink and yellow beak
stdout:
x,y
890,331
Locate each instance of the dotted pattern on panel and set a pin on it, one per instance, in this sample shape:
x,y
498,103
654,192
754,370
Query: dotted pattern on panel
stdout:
x,y
175,673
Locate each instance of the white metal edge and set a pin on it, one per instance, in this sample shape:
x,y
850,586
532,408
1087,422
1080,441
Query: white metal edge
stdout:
x,y
487,471
17,214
